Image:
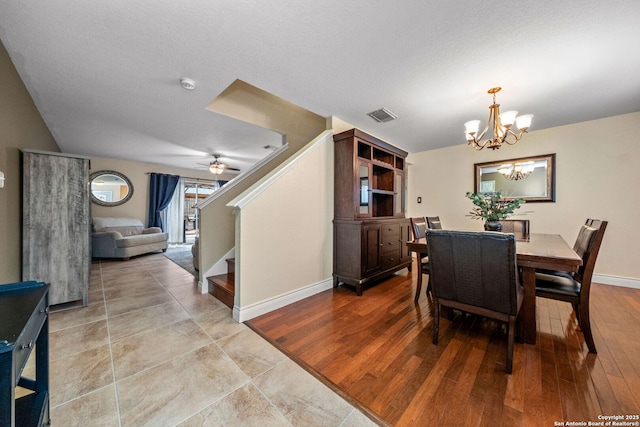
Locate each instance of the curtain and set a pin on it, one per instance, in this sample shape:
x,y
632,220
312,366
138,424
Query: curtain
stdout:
x,y
161,188
173,215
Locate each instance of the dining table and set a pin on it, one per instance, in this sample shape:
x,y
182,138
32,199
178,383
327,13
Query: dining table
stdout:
x,y
534,251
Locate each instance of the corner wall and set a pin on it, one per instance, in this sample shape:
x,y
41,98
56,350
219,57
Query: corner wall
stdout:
x,y
597,176
284,232
21,127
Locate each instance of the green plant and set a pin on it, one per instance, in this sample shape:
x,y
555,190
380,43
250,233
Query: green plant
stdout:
x,y
491,206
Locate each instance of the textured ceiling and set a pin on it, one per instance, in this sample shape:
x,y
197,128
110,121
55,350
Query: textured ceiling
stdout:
x,y
105,75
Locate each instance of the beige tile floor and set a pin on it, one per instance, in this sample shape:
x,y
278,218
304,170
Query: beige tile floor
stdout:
x,y
150,350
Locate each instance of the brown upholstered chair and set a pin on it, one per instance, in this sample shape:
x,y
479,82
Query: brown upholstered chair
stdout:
x,y
433,222
519,227
419,226
476,272
575,287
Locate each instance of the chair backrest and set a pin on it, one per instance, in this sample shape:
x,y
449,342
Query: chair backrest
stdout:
x,y
433,222
474,268
519,227
418,225
587,246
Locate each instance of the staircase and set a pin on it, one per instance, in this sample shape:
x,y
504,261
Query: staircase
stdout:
x,y
222,286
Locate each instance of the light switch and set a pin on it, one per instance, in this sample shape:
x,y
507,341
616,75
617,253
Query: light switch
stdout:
x,y
1,179
419,199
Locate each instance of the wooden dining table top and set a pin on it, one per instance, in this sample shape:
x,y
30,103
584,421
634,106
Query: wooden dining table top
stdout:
x,y
550,250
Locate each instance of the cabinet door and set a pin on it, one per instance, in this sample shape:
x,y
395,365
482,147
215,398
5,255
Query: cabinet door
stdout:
x,y
363,190
371,244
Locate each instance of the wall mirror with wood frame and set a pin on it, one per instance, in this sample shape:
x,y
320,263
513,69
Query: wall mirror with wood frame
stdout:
x,y
530,178
110,188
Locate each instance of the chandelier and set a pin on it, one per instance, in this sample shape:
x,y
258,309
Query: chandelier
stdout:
x,y
516,171
501,126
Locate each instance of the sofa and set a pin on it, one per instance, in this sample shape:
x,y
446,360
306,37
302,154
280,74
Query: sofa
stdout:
x,y
124,238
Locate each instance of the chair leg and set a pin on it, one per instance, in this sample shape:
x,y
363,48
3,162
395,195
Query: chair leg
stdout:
x,y
585,325
576,310
429,287
511,332
419,286
436,323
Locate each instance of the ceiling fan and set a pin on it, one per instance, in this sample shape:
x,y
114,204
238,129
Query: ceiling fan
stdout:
x,y
216,168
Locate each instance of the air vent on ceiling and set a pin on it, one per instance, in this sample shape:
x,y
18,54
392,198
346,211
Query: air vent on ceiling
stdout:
x,y
382,115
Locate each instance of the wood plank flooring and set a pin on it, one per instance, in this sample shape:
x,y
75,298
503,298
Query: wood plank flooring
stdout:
x,y
376,351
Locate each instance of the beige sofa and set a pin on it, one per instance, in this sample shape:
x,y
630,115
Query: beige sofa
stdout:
x,y
124,238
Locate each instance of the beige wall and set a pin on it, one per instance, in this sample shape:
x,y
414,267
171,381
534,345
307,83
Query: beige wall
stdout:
x,y
597,176
137,206
21,127
286,238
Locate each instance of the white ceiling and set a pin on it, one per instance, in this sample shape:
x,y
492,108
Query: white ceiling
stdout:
x,y
105,74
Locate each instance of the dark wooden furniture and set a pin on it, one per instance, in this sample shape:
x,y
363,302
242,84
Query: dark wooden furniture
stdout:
x,y
56,225
476,272
575,288
24,324
541,251
419,227
433,222
370,230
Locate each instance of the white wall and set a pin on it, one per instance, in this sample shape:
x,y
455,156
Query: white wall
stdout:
x,y
597,176
284,245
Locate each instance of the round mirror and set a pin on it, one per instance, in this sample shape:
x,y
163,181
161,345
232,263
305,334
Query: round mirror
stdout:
x,y
110,188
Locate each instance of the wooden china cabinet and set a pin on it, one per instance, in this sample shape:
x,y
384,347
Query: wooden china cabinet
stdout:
x,y
370,230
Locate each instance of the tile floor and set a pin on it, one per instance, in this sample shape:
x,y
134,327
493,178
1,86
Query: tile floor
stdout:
x,y
150,350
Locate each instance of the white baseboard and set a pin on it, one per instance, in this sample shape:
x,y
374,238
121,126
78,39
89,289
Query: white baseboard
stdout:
x,y
626,282
203,288
247,313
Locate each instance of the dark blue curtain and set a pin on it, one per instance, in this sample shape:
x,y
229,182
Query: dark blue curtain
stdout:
x,y
161,188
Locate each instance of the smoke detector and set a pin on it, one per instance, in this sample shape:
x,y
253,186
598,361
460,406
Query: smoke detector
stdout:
x,y
187,83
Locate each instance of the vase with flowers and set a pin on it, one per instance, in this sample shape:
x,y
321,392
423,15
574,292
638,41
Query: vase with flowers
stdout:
x,y
492,208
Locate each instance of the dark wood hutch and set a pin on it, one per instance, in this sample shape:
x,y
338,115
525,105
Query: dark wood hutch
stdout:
x,y
370,230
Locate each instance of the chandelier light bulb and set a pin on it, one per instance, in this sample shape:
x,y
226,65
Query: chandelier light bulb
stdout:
x,y
523,122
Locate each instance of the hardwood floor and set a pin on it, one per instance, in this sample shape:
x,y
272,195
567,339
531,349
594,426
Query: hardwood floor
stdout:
x,y
376,351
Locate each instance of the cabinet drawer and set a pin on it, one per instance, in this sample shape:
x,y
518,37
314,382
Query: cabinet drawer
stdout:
x,y
390,230
27,339
389,260
390,246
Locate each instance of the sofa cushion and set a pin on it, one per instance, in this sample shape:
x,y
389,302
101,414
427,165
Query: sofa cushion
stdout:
x,y
124,226
141,239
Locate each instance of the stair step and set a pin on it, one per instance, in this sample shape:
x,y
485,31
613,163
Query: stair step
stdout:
x,y
222,287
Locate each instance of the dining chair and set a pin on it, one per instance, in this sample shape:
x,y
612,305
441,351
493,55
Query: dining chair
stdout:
x,y
519,227
476,272
433,222
419,226
575,287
